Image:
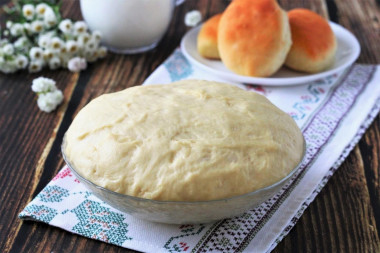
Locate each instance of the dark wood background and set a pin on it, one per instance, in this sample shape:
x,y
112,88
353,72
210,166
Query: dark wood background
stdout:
x,y
345,216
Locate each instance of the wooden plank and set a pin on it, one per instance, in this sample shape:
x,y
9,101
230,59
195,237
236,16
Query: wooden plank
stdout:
x,y
116,72
342,218
362,19
317,6
355,230
370,146
25,141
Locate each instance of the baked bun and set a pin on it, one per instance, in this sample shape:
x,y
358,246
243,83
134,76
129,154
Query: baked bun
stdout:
x,y
207,42
254,37
187,141
314,43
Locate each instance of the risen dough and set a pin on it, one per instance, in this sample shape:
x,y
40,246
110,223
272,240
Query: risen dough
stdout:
x,y
188,141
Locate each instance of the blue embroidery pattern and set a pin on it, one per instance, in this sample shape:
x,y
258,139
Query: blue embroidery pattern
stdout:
x,y
53,194
185,231
315,92
178,66
98,222
41,213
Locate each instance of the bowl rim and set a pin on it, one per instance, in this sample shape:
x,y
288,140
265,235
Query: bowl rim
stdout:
x,y
120,195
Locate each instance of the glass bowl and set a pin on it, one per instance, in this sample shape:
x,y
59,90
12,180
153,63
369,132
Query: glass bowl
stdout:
x,y
183,212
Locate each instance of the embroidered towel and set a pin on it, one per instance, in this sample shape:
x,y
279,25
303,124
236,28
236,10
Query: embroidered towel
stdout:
x,y
333,114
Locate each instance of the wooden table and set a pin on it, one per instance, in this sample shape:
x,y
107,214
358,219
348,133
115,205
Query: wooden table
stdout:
x,y
345,216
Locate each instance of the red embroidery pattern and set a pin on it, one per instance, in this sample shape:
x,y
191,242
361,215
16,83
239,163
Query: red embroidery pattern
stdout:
x,y
62,174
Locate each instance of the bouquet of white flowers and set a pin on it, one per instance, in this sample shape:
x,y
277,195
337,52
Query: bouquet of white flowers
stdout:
x,y
38,37
49,97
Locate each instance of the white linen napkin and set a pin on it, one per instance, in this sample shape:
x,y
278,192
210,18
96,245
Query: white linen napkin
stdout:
x,y
333,114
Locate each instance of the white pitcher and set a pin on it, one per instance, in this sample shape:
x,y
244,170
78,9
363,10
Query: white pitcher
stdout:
x,y
129,26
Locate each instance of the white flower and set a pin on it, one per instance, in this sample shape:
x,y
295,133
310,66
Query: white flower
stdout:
x,y
49,101
28,28
56,44
44,41
50,19
37,26
80,27
9,24
36,53
66,26
21,42
8,65
35,66
28,11
97,36
40,9
21,61
102,52
83,39
8,49
48,54
91,56
192,18
63,51
50,34
8,68
43,84
77,64
54,63
17,29
91,45
71,46
3,42
49,97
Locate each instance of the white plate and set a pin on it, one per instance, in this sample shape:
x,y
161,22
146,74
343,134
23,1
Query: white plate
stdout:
x,y
347,52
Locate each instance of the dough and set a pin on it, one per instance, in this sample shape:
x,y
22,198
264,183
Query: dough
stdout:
x,y
188,141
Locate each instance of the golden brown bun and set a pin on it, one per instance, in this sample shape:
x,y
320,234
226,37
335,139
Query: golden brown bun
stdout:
x,y
207,42
254,37
314,43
